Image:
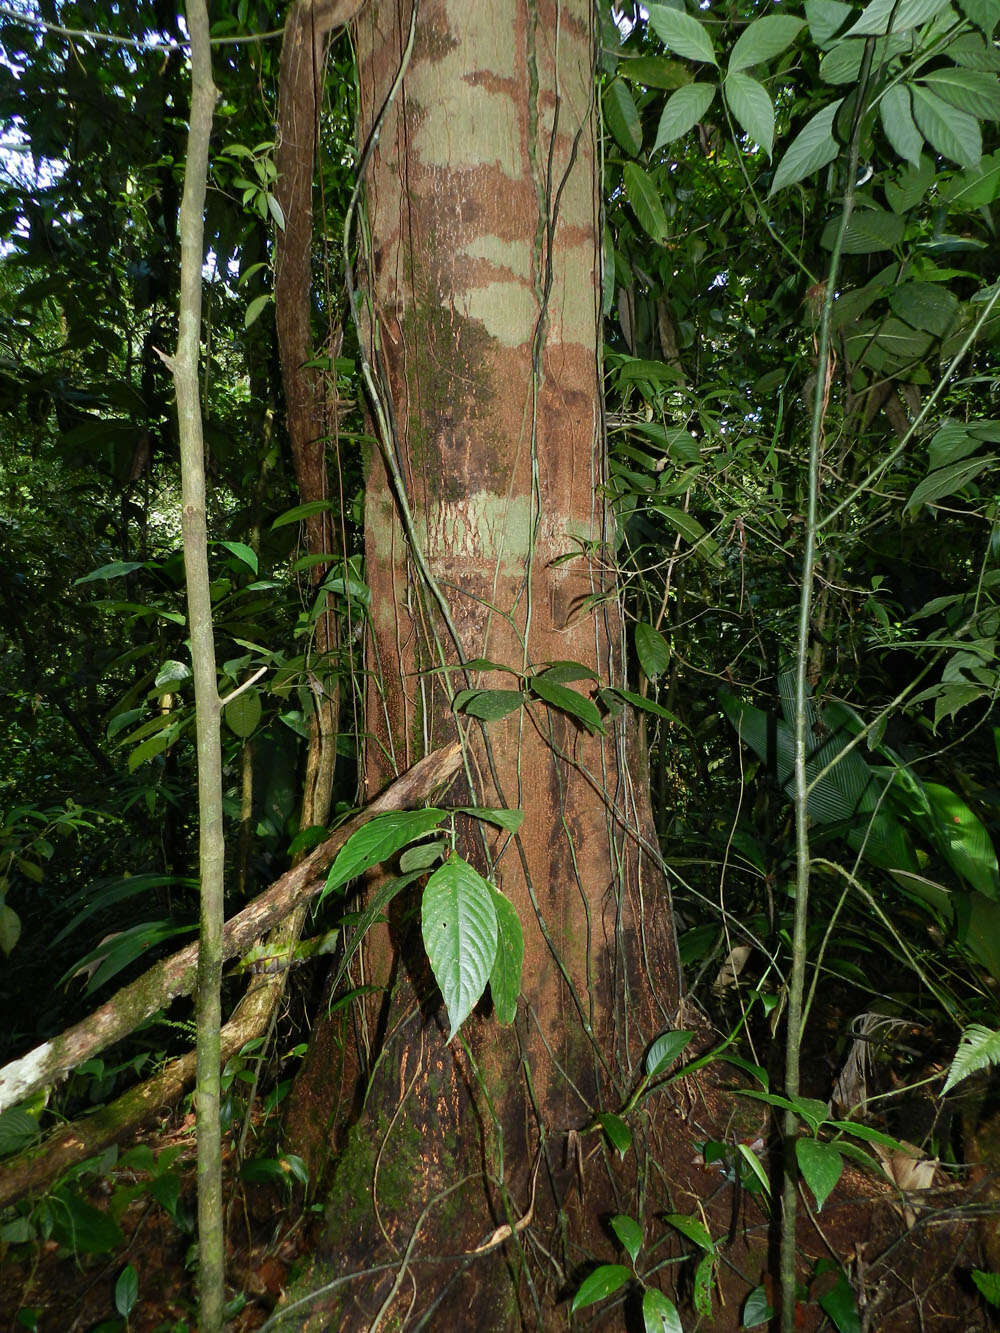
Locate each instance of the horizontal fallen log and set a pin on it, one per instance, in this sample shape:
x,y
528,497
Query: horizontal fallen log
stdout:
x,y
176,975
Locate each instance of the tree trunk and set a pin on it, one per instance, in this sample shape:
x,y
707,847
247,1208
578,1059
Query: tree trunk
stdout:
x,y
487,535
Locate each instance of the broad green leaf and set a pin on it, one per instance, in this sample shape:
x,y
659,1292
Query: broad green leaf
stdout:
x,y
600,1284
654,72
459,926
243,713
899,125
647,705
755,1165
911,184
688,526
703,1285
950,442
664,1051
925,305
967,89
17,1130
756,1310
79,1226
870,1135
894,16
422,855
821,1166
564,672
126,1291
149,749
244,553
985,14
489,705
763,39
617,1131
826,18
505,974
868,231
298,512
964,840
840,1306
255,309
988,1284
975,187
978,1048
659,1315
693,1229
629,1233
622,118
680,33
10,929
682,111
377,840
842,64
749,102
813,147
511,820
970,51
116,570
652,650
947,481
568,701
646,203
952,132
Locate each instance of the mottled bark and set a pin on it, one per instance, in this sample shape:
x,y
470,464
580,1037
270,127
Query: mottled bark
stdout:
x,y
484,312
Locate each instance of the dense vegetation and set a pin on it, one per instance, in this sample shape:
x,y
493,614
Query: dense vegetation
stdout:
x,y
799,285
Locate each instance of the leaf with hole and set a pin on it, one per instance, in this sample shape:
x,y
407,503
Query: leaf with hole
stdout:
x,y
682,111
680,33
813,147
459,926
659,1315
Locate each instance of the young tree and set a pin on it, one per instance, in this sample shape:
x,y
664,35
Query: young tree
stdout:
x,y
489,540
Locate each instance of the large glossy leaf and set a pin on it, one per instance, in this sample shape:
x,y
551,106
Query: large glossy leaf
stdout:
x,y
600,1284
505,974
377,840
750,104
813,147
682,111
763,39
964,840
664,1051
459,926
680,33
567,701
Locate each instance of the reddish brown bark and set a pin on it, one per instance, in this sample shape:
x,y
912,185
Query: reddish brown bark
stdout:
x,y
483,216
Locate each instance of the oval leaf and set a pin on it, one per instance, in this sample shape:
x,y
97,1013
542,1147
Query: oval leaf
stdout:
x,y
664,1051
243,713
10,930
763,39
377,840
617,1131
568,701
645,200
680,33
899,125
659,1315
652,650
488,705
126,1291
813,147
821,1165
602,1282
883,16
750,104
953,133
683,110
459,925
946,481
621,117
629,1233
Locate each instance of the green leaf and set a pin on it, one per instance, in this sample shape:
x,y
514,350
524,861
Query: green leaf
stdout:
x,y
116,570
894,16
600,1284
646,203
617,1131
170,674
826,18
459,926
899,125
868,231
813,147
985,14
377,840
299,512
749,102
243,713
680,33
963,839
925,305
505,974
654,72
988,1284
704,1280
647,705
659,1315
664,1051
17,1130
952,132
756,1311
911,184
126,1291
10,929
755,1165
244,553
682,111
511,820
842,64
950,442
978,1048
763,39
947,481
79,1226
688,526
967,89
840,1307
629,1234
821,1166
652,650
622,118
567,701
255,309
976,186
489,705
693,1229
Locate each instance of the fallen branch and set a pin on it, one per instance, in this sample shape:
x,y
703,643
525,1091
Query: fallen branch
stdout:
x,y
176,975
